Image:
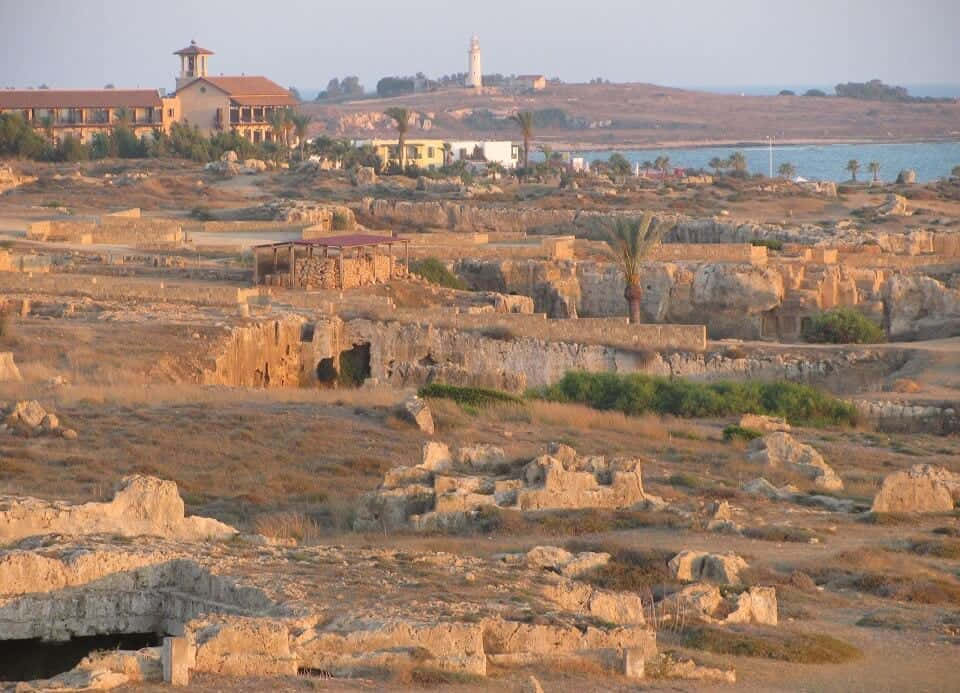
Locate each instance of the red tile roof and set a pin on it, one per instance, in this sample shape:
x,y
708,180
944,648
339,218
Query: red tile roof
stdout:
x,y
193,49
354,240
251,91
79,98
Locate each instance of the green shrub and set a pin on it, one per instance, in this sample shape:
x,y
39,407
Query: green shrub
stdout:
x,y
201,213
341,221
436,272
843,326
733,431
468,396
636,393
769,243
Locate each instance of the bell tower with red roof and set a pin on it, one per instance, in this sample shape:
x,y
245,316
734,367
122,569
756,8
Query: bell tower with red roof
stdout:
x,y
193,63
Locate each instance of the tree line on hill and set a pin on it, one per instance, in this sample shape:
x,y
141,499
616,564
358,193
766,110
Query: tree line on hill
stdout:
x,y
874,90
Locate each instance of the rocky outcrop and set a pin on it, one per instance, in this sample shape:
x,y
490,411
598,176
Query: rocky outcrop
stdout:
x,y
759,422
419,413
923,488
920,307
893,206
141,505
8,368
907,176
705,602
435,493
784,451
692,566
468,218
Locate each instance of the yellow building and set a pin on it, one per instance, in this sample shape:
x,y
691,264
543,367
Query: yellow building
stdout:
x,y
421,153
243,104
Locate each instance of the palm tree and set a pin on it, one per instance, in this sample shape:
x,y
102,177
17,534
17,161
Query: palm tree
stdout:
x,y
288,125
955,172
631,241
662,164
496,170
787,170
122,116
525,120
716,163
547,152
853,166
47,124
874,168
277,122
447,153
738,161
301,121
401,119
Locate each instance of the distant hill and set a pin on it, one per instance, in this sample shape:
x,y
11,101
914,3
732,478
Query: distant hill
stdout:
x,y
644,115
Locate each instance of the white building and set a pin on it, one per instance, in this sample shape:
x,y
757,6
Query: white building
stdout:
x,y
474,67
503,152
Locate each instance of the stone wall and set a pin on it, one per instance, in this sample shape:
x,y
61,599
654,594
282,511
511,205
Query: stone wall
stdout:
x,y
710,252
462,217
126,288
109,229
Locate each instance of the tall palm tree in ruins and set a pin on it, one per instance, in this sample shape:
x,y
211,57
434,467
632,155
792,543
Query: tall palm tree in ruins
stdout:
x,y
301,122
631,241
277,121
525,120
874,168
401,118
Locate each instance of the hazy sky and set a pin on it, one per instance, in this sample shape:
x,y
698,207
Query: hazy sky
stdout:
x,y
87,43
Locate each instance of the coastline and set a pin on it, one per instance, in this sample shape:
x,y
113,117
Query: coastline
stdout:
x,y
735,144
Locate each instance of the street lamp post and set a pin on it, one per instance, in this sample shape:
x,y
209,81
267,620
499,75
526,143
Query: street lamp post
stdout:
x,y
770,149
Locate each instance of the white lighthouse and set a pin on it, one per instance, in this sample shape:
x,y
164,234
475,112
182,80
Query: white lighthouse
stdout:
x,y
474,69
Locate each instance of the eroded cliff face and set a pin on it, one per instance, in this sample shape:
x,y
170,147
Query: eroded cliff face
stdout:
x,y
737,300
919,307
261,354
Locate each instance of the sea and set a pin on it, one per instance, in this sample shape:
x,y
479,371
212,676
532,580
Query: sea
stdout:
x,y
931,160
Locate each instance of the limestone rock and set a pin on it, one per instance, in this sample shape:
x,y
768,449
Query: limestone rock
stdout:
x,y
50,422
783,450
920,307
907,176
700,565
142,505
923,488
481,455
29,413
8,369
894,206
700,598
756,605
229,156
68,433
668,666
758,422
564,562
762,487
435,457
364,175
420,413
548,557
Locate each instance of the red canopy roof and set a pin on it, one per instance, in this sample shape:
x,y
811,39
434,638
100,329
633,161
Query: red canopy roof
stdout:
x,y
193,49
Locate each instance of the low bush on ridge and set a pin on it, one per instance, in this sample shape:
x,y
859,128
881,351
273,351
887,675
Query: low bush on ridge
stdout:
x,y
843,326
468,396
436,272
636,393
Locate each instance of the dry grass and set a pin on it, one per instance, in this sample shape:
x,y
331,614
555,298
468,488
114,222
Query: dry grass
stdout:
x,y
233,460
782,644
